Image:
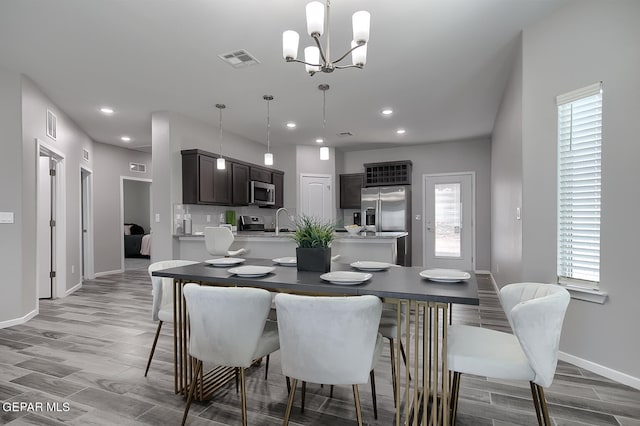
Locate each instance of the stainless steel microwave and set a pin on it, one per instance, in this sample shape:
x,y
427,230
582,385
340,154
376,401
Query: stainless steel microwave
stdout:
x,y
263,194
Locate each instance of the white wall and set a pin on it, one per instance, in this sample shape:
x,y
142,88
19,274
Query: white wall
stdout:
x,y
506,181
13,304
585,42
444,157
110,163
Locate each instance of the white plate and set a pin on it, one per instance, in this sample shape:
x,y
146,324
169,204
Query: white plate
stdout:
x,y
285,261
250,271
445,275
345,277
225,261
366,265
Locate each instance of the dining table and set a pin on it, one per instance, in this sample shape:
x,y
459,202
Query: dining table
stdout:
x,y
425,379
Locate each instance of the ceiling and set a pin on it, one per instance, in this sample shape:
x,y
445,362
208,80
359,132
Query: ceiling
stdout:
x,y
442,65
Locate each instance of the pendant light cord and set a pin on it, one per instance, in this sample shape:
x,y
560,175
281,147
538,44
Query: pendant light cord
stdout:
x,y
220,132
268,126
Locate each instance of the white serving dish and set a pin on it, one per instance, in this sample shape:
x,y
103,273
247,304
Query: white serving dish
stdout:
x,y
251,271
353,230
445,275
346,277
366,265
225,261
286,261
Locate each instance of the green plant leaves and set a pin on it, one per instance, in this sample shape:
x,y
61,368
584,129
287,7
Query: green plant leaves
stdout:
x,y
313,232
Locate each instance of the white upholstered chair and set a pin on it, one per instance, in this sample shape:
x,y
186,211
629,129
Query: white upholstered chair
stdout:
x,y
162,291
536,312
330,340
229,327
218,239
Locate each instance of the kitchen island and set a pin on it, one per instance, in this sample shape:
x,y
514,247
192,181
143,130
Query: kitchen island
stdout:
x,y
378,246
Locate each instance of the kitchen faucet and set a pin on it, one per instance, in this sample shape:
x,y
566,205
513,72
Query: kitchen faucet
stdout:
x,y
278,222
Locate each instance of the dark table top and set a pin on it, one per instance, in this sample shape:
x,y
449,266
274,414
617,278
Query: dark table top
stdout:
x,y
397,282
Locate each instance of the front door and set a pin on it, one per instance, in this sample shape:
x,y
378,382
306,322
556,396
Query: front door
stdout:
x,y
448,221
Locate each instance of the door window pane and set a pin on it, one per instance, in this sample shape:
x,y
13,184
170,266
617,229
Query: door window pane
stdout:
x,y
448,220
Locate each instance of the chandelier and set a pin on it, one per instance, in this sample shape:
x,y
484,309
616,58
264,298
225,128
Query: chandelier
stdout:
x,y
268,156
324,150
315,57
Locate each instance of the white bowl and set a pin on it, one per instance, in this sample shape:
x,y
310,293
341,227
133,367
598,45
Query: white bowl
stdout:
x,y
353,230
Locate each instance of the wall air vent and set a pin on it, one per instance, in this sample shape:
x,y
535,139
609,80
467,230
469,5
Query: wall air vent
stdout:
x,y
85,154
345,134
138,167
239,58
52,125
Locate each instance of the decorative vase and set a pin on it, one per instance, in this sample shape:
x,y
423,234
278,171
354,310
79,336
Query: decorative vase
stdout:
x,y
314,259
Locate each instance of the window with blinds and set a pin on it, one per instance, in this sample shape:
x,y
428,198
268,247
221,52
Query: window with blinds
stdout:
x,y
579,175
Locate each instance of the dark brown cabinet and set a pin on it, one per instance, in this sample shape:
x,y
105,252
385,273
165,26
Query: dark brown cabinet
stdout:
x,y
278,182
240,184
389,173
350,186
260,174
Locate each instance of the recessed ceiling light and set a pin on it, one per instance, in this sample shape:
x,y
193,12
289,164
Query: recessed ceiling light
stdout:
x,y
319,140
291,125
401,131
386,112
106,110
125,139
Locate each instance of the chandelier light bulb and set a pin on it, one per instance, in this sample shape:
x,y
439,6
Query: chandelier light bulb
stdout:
x,y
290,40
315,18
361,23
312,56
359,55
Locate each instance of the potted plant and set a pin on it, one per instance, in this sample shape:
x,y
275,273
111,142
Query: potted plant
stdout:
x,y
313,237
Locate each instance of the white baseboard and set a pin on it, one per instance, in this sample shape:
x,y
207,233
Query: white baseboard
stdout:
x,y
100,274
482,271
607,372
21,320
73,289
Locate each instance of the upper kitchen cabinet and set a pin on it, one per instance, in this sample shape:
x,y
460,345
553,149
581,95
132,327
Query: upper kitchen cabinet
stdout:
x,y
240,184
202,182
388,173
261,175
350,186
278,182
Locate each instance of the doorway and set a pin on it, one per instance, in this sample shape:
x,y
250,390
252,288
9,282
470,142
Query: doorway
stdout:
x,y
449,213
135,208
86,224
50,231
316,196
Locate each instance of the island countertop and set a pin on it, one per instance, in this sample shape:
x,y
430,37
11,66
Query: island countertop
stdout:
x,y
261,235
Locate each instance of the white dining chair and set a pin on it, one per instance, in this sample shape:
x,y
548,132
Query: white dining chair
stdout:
x,y
162,292
536,313
329,340
218,239
229,327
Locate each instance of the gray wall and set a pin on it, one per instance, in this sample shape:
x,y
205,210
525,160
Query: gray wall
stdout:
x,y
506,181
70,142
445,157
12,303
110,163
585,42
137,203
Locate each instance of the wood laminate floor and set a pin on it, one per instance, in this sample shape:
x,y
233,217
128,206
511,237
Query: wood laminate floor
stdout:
x,y
85,356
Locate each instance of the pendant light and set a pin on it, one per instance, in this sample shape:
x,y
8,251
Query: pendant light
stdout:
x,y
220,163
324,150
268,156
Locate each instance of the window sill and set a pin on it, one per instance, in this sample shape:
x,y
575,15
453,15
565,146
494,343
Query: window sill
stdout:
x,y
586,294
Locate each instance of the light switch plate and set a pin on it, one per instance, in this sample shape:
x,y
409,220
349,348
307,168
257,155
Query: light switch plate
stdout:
x,y
6,217
157,217
517,213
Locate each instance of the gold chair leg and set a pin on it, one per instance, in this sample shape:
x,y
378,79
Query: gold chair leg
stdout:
x,y
455,390
543,406
153,348
243,397
191,390
356,398
393,370
372,376
536,402
404,357
292,393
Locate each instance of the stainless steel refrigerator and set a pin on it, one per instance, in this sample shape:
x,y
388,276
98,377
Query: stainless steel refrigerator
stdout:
x,y
388,208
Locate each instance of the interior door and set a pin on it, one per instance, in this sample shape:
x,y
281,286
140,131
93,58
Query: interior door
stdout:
x,y
448,221
315,198
45,232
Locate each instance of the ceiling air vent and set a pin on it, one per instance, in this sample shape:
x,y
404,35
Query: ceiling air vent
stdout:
x,y
239,58
85,154
138,167
52,125
345,134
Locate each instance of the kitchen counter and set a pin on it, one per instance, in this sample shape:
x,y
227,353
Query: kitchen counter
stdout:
x,y
379,246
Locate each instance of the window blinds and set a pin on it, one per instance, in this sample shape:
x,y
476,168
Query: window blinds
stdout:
x,y
579,174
